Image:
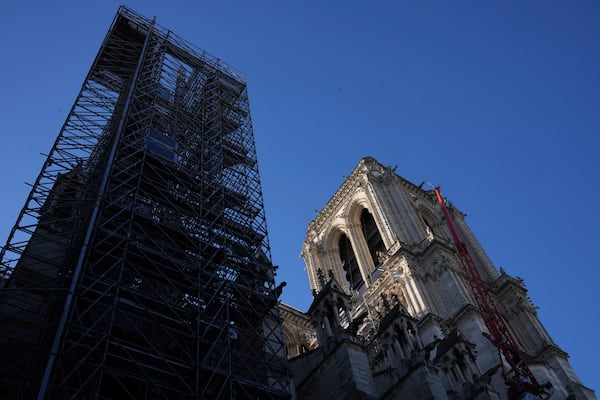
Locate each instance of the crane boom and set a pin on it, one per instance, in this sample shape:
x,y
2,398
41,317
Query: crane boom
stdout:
x,y
518,377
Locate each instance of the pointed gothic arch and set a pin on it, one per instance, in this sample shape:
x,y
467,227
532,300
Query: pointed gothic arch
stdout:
x,y
349,263
430,220
372,237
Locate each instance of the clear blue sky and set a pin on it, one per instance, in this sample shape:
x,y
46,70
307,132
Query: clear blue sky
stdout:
x,y
496,101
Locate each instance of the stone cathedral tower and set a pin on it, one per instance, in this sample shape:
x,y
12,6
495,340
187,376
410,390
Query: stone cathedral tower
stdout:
x,y
393,315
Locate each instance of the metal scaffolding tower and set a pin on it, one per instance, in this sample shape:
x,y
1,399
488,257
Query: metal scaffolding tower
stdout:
x,y
139,267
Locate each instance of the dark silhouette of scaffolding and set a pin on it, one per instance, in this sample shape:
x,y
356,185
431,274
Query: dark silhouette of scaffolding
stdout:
x,y
139,267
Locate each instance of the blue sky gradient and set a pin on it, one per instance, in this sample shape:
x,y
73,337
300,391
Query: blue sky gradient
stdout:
x,y
497,102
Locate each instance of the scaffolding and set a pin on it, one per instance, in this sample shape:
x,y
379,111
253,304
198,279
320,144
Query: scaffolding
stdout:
x,y
139,267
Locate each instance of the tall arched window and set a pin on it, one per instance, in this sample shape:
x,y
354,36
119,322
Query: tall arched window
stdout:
x,y
428,228
430,222
349,263
372,237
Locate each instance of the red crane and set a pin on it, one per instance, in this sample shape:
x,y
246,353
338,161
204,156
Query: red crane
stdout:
x,y
518,376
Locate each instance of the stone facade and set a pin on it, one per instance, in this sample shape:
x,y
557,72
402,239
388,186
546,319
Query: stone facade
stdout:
x,y
393,315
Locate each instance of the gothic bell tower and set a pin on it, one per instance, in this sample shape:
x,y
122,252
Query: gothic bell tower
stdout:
x,y
386,244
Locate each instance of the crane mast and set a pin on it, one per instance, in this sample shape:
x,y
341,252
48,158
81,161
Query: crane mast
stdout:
x,y
518,377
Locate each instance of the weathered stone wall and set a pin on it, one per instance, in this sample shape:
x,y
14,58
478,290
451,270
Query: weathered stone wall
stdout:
x,y
343,374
